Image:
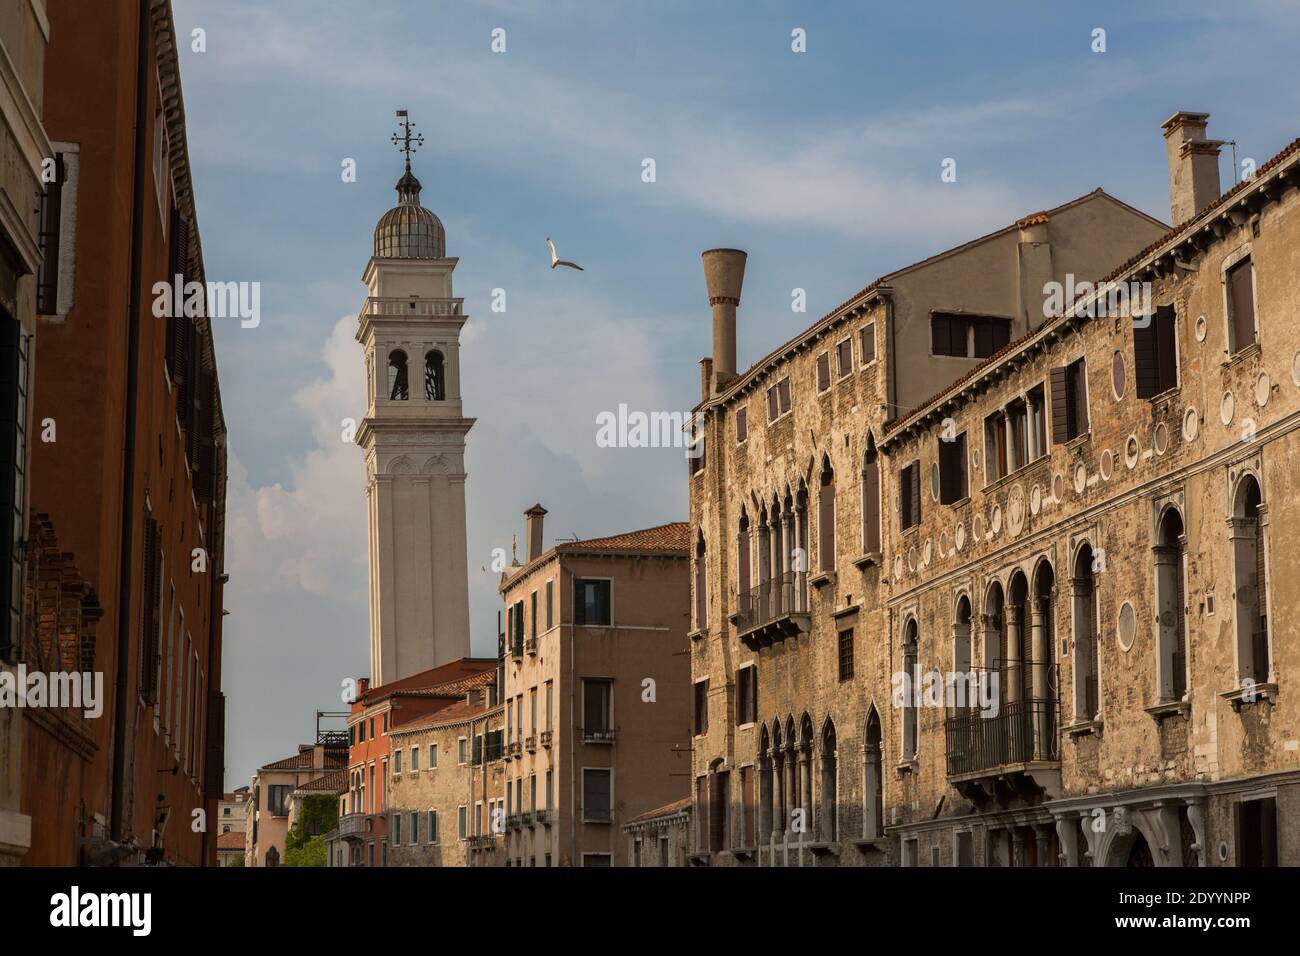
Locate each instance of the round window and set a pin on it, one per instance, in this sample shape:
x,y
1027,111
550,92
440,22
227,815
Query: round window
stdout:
x,y
1117,379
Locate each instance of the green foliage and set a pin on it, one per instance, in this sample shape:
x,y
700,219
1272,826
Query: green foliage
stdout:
x,y
318,815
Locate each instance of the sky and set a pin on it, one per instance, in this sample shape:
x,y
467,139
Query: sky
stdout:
x,y
824,165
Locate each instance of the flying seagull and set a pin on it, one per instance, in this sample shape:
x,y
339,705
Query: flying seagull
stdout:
x,y
557,261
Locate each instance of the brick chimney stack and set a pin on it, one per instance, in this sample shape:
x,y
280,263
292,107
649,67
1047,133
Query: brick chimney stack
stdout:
x,y
533,530
724,273
1193,165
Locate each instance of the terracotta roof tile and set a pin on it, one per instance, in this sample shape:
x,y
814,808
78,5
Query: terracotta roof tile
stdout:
x,y
333,782
234,840
674,536
456,713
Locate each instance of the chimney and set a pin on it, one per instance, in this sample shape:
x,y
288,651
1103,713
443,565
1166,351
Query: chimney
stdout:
x,y
1193,165
706,378
363,685
473,696
533,529
724,273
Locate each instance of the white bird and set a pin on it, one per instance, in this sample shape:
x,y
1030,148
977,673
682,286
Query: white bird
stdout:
x,y
557,261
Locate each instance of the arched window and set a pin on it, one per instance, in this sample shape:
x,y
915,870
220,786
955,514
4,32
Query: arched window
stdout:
x,y
273,857
826,518
1171,663
1087,701
435,386
780,795
701,585
1251,582
911,666
399,389
1042,670
961,651
828,823
873,815
870,499
742,557
765,785
804,785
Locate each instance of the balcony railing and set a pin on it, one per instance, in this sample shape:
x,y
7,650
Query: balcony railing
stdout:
x,y
597,735
352,824
530,646
512,749
530,743
482,841
775,609
597,815
512,821
546,738
1022,731
394,305
544,817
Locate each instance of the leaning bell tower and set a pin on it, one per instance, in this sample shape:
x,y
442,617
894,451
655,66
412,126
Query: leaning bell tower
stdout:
x,y
413,437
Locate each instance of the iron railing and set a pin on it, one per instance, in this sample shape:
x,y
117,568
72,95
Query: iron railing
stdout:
x,y
774,599
1020,732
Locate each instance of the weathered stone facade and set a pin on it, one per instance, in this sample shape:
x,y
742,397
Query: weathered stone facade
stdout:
x,y
660,838
944,566
450,790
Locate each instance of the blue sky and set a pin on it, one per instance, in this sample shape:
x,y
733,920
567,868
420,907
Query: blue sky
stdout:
x,y
823,165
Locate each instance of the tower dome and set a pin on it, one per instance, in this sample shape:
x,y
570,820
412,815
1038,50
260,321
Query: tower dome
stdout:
x,y
408,230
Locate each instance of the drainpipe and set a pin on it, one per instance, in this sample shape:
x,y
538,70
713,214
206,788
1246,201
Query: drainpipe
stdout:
x,y
573,716
122,679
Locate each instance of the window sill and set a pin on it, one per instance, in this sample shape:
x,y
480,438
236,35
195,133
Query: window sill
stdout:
x,y
700,633
1253,694
1252,350
1078,441
823,579
908,766
1170,708
960,502
862,561
871,843
1083,728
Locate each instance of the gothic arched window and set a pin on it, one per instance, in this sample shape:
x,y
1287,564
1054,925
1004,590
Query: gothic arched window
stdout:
x,y
435,384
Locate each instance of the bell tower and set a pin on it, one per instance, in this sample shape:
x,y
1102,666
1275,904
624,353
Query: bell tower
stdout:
x,y
413,437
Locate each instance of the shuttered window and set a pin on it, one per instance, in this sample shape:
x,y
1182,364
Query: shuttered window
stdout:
x,y
701,586
1241,304
742,555
871,502
747,804
596,792
742,425
867,349
968,336
747,695
952,470
1155,354
701,707
718,802
844,357
1069,402
826,520
909,496
823,371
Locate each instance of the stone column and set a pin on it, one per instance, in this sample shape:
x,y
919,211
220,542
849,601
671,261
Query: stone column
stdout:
x,y
779,798
1043,844
870,830
1067,834
1012,664
806,789
792,786
1040,614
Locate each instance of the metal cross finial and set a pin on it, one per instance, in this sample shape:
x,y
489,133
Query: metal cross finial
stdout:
x,y
405,141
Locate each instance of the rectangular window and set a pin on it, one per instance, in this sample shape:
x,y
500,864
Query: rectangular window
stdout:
x,y
596,795
844,357
532,708
701,707
532,615
550,604
460,751
415,828
462,822
550,693
476,750
965,848
947,335
701,814
1069,402
1155,353
548,790
591,602
415,758
747,695
397,829
846,655
719,804
397,761
432,835
909,496
867,345
968,336
433,756
277,799
995,447
742,425
597,699
778,399
823,371
1037,423
361,732
1241,306
532,792
747,805
952,470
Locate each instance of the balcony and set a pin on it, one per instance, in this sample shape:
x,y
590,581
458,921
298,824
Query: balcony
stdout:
x,y
512,821
352,825
546,738
529,818
513,749
597,815
530,646
601,735
1015,752
544,817
530,743
775,610
395,305
482,841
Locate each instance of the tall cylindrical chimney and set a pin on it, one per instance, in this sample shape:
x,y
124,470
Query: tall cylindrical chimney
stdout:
x,y
724,273
533,530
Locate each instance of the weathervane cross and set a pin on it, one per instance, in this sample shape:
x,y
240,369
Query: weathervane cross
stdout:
x,y
405,141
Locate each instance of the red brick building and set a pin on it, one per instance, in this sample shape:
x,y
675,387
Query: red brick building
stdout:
x,y
135,482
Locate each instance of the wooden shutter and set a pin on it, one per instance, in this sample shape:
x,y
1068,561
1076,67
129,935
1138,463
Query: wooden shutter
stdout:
x,y
823,371
149,616
742,559
771,403
916,493
1079,398
1242,292
869,343
1060,407
747,802
1146,372
871,506
742,424
214,767
1166,347
783,390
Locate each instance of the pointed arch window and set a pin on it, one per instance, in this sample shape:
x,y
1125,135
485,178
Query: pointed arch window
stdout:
x,y
399,388
701,585
1171,665
870,499
1251,584
826,518
911,655
435,383
1087,702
